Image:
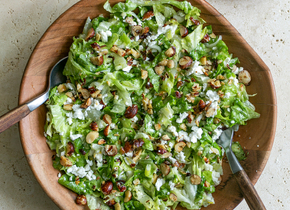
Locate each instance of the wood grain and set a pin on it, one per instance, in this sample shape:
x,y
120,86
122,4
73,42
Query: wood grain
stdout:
x,y
13,117
249,192
55,44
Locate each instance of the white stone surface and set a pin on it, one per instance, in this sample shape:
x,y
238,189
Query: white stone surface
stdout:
x,y
265,24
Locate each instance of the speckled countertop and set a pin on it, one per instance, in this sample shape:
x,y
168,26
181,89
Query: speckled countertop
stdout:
x,y
265,24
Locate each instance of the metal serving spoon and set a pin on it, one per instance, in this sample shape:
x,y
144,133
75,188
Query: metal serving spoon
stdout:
x,y
250,194
55,78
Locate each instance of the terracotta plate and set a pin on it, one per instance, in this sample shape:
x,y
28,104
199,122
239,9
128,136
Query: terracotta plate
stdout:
x,y
55,44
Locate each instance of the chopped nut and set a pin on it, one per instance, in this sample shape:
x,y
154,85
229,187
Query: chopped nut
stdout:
x,y
203,60
201,105
173,197
85,93
129,20
210,112
107,187
136,30
195,179
205,39
244,77
183,31
67,107
170,64
114,49
107,119
97,60
214,83
154,178
61,88
220,77
107,130
101,141
157,126
128,196
94,126
98,37
144,74
185,62
166,155
165,169
206,184
137,155
70,149
90,34
121,52
165,137
92,136
81,200
111,150
64,161
159,70
170,52
95,93
183,127
148,15
135,53
131,111
87,103
163,62
179,146
136,181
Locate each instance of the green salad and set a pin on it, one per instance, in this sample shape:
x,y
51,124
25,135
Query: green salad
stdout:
x,y
149,90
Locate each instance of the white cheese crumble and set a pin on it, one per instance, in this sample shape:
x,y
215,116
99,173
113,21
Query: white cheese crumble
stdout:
x,y
171,185
75,136
127,69
181,157
159,183
182,116
105,35
172,129
212,95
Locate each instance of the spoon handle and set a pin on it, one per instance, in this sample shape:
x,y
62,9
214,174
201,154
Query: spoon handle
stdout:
x,y
251,196
13,117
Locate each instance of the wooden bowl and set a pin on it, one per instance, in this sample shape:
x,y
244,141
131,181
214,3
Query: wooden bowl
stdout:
x,y
257,137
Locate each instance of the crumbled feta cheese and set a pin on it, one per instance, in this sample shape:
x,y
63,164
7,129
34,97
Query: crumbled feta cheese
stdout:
x,y
127,69
68,101
159,183
82,172
180,157
78,112
172,129
170,144
75,136
171,185
227,95
134,119
59,175
129,154
195,134
182,116
173,160
183,136
195,68
105,35
215,177
212,95
208,167
216,133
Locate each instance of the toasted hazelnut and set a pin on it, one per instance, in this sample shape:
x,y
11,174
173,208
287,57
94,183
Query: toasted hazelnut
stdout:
x,y
121,52
154,178
92,136
101,141
94,126
136,30
159,70
183,127
61,88
165,137
70,149
163,62
146,29
148,15
203,60
183,31
165,169
135,53
107,119
107,187
210,112
131,111
107,130
68,107
185,62
195,179
128,196
81,200
178,94
111,150
179,84
206,184
121,185
170,52
64,161
98,37
138,143
220,77
111,202
201,105
170,64
85,93
117,206
166,155
144,74
157,126
137,155
87,103
114,49
97,60
90,34
179,146
173,197
244,77
196,22
214,83
205,39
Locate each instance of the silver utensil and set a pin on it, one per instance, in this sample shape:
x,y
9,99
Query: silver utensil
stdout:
x,y
250,194
55,78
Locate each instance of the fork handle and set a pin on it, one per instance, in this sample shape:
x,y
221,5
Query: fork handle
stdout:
x,y
12,117
250,194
